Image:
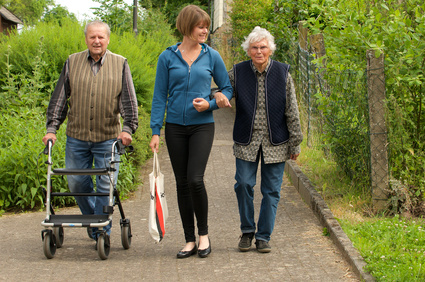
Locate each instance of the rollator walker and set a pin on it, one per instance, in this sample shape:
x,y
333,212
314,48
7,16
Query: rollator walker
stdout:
x,y
53,235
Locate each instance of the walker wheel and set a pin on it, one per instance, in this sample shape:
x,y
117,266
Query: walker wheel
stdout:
x,y
103,246
59,235
49,244
126,235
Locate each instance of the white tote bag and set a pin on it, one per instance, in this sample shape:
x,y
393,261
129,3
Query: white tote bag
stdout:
x,y
158,212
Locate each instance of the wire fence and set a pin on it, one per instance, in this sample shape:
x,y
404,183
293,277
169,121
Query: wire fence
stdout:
x,y
344,114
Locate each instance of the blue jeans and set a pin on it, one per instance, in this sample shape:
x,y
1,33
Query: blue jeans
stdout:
x,y
81,154
271,181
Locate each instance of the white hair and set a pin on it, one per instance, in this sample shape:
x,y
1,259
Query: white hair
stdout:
x,y
97,22
258,34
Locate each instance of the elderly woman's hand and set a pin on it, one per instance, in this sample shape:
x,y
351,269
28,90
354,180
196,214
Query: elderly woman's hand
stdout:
x,y
221,100
201,104
294,156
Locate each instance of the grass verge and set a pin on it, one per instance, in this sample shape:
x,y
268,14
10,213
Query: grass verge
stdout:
x,y
393,247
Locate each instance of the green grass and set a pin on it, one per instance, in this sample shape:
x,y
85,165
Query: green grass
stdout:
x,y
393,247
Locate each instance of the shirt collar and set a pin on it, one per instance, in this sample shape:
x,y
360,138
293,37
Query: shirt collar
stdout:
x,y
102,59
265,70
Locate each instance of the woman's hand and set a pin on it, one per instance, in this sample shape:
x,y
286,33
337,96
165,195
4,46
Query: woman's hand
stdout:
x,y
221,100
201,104
154,144
294,156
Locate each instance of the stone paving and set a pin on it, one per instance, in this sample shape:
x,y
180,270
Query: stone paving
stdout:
x,y
300,252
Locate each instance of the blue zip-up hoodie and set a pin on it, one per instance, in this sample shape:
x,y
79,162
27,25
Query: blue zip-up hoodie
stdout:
x,y
177,84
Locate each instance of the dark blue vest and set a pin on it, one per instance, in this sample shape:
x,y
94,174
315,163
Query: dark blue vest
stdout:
x,y
245,81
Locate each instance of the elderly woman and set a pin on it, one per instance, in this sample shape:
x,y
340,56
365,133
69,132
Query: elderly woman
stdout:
x,y
267,127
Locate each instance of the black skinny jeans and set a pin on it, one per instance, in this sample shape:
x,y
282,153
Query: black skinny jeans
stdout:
x,y
189,148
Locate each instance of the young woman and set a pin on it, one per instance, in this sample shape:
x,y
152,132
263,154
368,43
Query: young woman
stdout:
x,y
182,89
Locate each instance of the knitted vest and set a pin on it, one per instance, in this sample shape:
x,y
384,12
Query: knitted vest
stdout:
x,y
245,81
94,101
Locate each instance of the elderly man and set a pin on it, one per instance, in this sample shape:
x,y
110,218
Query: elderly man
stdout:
x,y
96,85
267,127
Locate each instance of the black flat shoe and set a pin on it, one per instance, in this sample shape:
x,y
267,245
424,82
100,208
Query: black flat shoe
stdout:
x,y
205,252
186,254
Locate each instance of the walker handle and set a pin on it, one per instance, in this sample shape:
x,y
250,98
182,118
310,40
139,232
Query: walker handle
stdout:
x,y
121,148
46,149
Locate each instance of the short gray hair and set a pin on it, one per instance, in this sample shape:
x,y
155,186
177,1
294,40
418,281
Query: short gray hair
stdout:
x,y
97,22
258,34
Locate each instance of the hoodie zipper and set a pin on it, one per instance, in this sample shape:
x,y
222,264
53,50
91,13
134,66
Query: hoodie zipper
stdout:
x,y
188,82
187,90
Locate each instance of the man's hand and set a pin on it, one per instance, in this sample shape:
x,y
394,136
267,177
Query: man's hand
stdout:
x,y
49,136
125,138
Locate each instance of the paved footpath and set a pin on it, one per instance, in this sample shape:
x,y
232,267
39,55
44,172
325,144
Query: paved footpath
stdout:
x,y
299,250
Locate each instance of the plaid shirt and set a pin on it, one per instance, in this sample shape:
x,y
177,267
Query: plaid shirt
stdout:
x,y
260,134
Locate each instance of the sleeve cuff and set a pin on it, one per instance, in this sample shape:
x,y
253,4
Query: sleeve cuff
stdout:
x,y
51,130
156,131
127,129
295,150
213,104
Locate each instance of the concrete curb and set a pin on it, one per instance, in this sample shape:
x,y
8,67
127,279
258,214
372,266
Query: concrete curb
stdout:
x,y
309,194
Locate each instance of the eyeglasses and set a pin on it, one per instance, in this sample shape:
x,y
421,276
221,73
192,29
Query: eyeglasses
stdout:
x,y
262,48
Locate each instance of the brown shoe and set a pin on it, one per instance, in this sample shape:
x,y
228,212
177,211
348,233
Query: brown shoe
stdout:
x,y
263,246
245,241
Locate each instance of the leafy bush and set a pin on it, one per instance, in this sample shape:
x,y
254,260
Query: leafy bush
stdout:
x,y
21,131
259,13
350,29
142,54
31,63
397,30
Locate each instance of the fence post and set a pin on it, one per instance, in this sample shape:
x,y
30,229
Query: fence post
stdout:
x,y
378,130
302,37
318,44
318,48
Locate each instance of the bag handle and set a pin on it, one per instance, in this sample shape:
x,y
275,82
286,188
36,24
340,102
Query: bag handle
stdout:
x,y
155,168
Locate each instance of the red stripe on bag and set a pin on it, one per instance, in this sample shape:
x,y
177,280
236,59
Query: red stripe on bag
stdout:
x,y
159,214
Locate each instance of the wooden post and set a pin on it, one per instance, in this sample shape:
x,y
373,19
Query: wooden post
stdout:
x,y
318,48
302,37
318,44
378,130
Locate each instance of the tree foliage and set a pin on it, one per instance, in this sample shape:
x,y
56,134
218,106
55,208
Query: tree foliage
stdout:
x,y
29,11
31,62
172,8
396,29
58,14
350,28
245,16
116,13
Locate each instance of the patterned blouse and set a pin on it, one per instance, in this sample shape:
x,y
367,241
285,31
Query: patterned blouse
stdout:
x,y
260,137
